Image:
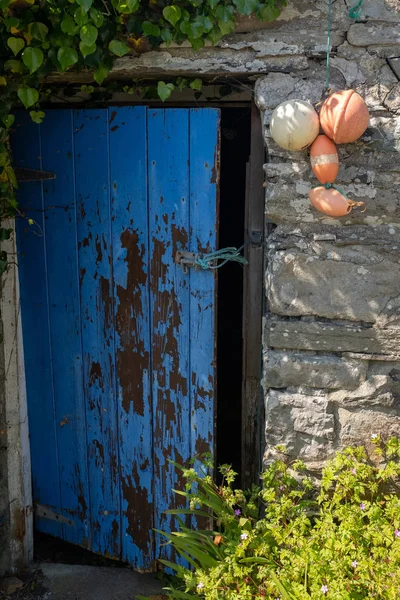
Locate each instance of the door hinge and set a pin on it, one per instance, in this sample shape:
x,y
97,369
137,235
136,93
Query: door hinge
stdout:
x,y
32,174
44,512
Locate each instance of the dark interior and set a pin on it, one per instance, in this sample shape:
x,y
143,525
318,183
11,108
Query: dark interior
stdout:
x,y
235,150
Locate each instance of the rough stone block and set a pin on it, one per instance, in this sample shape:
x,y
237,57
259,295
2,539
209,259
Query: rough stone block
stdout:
x,y
395,66
380,10
358,426
392,99
362,342
10,585
390,369
304,424
376,391
355,278
384,37
285,369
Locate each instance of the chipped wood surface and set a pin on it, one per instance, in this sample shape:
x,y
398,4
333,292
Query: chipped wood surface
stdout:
x,y
119,342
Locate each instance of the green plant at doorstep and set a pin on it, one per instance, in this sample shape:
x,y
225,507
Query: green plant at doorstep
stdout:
x,y
339,540
39,37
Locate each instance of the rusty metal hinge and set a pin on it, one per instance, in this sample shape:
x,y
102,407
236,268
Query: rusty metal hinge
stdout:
x,y
45,512
32,174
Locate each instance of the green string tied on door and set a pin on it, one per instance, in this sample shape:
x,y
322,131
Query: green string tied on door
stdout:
x,y
216,260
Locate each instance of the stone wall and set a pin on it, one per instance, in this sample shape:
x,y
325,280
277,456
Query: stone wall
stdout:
x,y
332,332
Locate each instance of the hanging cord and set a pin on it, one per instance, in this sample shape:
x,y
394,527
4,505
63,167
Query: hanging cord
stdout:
x,y
328,45
225,255
354,13
331,186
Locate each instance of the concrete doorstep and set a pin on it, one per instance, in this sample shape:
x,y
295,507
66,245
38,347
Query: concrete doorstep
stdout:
x,y
81,582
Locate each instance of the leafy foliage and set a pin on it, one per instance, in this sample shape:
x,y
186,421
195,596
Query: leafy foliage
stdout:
x,y
338,540
42,36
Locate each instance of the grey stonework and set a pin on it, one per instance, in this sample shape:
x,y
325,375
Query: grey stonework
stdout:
x,y
332,332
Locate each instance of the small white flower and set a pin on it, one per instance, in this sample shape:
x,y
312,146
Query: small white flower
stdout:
x,y
374,436
200,585
324,589
354,564
244,536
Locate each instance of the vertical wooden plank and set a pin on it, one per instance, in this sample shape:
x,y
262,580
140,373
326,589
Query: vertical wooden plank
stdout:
x,y
65,324
32,270
204,199
252,307
168,156
128,161
95,262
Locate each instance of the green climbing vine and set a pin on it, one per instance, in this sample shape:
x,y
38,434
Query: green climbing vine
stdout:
x,y
38,37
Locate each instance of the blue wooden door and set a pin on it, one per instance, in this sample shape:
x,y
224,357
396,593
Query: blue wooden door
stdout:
x,y
119,343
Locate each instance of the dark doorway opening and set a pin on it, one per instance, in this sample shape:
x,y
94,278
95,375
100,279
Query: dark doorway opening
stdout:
x,y
235,150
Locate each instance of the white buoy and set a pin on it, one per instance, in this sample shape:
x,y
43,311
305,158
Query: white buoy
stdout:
x,y
294,124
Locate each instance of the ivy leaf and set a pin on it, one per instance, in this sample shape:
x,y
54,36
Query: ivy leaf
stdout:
x,y
150,29
193,29
37,116
226,27
97,17
86,50
118,48
67,57
8,121
15,66
197,43
127,6
101,73
84,4
32,58
81,17
88,34
172,14
269,13
68,25
246,7
196,84
28,96
224,13
39,31
5,234
16,44
164,90
181,83
206,22
166,36
214,36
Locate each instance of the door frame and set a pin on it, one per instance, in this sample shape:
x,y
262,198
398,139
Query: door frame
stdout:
x,y
253,293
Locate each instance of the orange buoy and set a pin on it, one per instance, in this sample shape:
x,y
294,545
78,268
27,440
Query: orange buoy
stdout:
x,y
331,202
344,116
324,159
